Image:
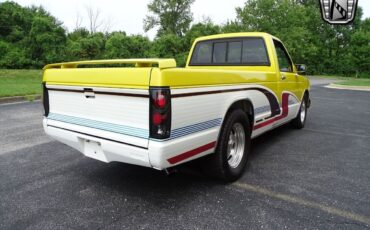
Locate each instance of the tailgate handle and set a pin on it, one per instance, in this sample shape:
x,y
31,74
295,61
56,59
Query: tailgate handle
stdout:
x,y
89,93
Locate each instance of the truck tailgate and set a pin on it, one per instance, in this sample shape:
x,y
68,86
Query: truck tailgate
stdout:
x,y
109,103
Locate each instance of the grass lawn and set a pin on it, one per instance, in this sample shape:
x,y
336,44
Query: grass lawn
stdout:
x,y
20,82
327,76
350,81
355,82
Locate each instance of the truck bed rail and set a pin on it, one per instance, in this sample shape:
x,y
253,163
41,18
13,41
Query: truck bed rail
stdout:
x,y
161,63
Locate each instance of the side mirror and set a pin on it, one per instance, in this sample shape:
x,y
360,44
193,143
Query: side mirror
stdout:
x,y
301,69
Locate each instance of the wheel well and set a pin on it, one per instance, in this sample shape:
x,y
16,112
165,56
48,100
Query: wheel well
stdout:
x,y
246,106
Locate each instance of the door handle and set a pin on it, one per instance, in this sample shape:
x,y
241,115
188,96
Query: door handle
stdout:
x,y
283,77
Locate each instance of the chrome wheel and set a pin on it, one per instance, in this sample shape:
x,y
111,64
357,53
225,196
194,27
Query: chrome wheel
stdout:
x,y
236,145
303,111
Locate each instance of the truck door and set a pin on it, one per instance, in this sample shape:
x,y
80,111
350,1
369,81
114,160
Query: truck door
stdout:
x,y
288,81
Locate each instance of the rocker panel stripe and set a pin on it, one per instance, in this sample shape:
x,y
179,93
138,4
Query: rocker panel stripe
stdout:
x,y
191,153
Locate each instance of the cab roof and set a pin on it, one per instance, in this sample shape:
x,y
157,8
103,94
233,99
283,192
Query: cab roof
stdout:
x,y
240,34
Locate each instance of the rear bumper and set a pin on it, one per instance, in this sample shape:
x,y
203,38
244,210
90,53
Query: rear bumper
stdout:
x,y
105,150
159,154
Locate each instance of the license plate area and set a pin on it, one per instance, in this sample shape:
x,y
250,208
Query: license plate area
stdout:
x,y
94,150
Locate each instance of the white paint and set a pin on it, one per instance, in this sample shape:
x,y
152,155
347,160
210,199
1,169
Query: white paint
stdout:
x,y
134,112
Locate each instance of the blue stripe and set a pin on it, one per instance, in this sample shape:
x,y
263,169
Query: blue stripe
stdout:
x,y
194,128
292,102
121,129
94,123
199,125
132,131
187,130
262,109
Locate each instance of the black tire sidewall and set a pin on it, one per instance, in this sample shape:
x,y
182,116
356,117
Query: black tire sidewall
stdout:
x,y
302,123
297,123
236,116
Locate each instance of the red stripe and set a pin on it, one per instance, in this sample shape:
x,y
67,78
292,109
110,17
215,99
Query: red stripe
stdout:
x,y
191,153
188,154
285,102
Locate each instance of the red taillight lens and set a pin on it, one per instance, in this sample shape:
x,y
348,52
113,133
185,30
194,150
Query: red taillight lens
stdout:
x,y
160,112
160,100
158,118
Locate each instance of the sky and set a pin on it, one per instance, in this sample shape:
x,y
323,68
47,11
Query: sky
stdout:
x,y
128,15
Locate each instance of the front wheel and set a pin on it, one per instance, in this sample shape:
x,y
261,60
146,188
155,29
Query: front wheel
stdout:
x,y
300,120
229,160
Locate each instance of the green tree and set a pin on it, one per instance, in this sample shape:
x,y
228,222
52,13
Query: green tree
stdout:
x,y
170,46
204,28
232,26
171,16
119,45
360,49
78,34
33,36
15,22
12,57
286,19
46,40
299,25
86,47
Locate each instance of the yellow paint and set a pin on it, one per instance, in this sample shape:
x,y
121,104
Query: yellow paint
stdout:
x,y
161,72
162,63
202,76
134,78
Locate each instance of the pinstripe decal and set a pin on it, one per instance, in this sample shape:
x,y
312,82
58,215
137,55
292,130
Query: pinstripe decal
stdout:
x,y
271,97
106,126
187,130
143,133
262,109
284,114
132,131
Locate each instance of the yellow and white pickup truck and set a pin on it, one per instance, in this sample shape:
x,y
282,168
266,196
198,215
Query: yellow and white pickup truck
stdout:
x,y
148,112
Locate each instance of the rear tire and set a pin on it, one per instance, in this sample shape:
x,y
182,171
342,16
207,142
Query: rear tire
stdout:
x,y
300,120
230,158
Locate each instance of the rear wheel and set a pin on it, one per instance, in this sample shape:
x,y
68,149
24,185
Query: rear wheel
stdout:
x,y
229,160
300,120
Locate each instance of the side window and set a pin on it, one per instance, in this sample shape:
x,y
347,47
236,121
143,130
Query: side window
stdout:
x,y
285,64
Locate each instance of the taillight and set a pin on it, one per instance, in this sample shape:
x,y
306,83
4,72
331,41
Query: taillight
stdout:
x,y
160,100
160,112
45,99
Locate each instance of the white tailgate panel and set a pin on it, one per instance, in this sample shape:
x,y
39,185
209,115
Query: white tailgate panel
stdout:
x,y
120,114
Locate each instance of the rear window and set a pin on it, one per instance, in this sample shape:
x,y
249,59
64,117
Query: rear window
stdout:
x,y
234,51
203,53
219,52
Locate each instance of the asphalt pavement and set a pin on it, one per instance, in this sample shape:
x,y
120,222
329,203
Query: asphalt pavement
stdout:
x,y
314,178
